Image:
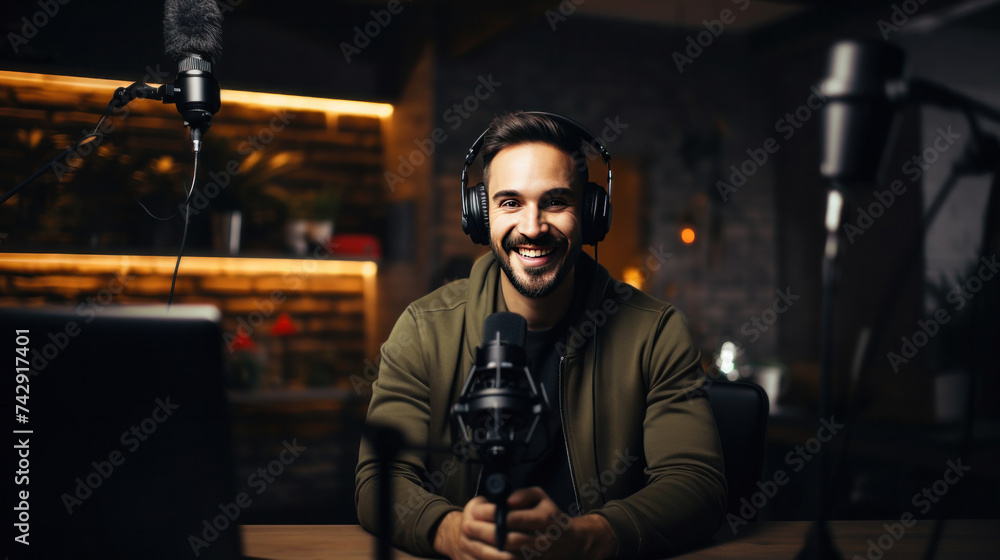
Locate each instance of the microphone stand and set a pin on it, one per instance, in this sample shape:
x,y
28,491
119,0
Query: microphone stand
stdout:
x,y
497,488
819,543
923,90
122,97
387,441
46,167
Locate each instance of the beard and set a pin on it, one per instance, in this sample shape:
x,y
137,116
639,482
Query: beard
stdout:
x,y
537,281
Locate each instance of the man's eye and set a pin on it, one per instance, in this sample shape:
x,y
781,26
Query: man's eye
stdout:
x,y
508,204
557,202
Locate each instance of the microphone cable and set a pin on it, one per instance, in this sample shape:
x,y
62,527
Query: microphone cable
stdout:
x,y
184,204
593,380
187,222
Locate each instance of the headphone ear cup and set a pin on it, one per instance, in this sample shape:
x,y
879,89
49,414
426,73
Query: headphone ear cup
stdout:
x,y
477,223
596,222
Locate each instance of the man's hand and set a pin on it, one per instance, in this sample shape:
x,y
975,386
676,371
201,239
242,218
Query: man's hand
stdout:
x,y
470,534
536,527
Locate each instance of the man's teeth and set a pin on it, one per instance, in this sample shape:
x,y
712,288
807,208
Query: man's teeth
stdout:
x,y
534,252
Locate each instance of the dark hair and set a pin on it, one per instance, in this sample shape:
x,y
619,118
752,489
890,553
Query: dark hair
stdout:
x,y
517,128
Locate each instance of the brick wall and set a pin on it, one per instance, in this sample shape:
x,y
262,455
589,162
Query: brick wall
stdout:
x,y
332,310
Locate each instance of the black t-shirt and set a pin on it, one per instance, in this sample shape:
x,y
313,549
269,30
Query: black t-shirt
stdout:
x,y
551,469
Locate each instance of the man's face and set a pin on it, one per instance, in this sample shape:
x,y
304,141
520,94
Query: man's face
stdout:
x,y
534,208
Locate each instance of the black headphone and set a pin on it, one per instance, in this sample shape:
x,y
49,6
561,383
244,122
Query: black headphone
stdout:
x,y
596,201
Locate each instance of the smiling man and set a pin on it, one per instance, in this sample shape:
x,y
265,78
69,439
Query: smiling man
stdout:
x,y
535,230
633,466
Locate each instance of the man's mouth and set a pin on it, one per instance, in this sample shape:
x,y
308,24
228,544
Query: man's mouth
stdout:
x,y
533,253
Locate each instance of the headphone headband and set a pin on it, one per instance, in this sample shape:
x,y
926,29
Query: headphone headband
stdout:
x,y
581,131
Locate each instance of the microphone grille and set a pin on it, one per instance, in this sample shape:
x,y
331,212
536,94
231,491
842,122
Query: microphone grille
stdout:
x,y
192,27
194,63
512,327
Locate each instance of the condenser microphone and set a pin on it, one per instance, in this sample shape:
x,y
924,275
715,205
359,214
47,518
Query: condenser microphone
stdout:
x,y
861,86
501,405
500,411
192,36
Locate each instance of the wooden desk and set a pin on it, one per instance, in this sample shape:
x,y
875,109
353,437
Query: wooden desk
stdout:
x,y
966,539
310,542
962,538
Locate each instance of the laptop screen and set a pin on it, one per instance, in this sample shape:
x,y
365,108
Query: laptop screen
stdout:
x,y
122,435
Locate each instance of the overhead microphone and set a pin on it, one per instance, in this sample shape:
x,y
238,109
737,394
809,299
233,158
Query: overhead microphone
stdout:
x,y
862,87
865,86
192,36
500,410
192,32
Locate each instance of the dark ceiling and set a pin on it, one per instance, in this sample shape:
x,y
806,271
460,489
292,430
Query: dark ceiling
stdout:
x,y
299,48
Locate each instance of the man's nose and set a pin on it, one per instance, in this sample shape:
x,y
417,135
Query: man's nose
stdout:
x,y
533,222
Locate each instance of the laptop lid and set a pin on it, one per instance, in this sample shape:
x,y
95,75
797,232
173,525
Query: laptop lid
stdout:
x,y
122,438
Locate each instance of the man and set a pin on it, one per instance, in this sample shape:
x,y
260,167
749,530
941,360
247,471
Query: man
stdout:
x,y
634,465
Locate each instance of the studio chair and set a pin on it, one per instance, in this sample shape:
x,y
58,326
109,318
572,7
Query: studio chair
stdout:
x,y
740,411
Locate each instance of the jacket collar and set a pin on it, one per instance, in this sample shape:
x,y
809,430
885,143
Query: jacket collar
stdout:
x,y
485,297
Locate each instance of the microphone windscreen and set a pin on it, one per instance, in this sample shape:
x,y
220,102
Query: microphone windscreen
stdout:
x,y
192,27
513,328
858,114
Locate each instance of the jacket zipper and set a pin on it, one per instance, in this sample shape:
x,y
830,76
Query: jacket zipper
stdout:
x,y
562,421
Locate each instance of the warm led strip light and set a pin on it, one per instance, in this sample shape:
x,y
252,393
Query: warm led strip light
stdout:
x,y
270,100
292,270
36,263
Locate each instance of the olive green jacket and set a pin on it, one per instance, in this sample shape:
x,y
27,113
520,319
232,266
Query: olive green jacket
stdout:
x,y
656,474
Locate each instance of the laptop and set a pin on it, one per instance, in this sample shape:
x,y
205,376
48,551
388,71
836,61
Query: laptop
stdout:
x,y
122,437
